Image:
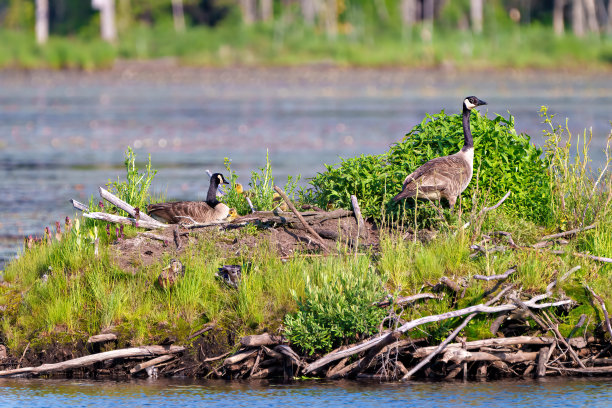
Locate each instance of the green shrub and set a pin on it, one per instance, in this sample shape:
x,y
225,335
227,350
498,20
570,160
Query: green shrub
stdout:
x,y
336,307
503,160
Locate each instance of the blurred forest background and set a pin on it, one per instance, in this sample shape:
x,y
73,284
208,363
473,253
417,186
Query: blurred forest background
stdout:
x,y
92,34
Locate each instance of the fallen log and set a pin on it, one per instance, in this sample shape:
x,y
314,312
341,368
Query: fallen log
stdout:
x,y
119,203
481,308
236,358
460,355
566,233
408,299
117,219
502,276
265,339
80,362
158,360
102,338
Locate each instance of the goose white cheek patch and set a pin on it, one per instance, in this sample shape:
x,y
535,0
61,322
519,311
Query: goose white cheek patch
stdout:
x,y
469,104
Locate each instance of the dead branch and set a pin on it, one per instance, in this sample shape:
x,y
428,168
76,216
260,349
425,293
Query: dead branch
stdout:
x,y
117,219
360,222
450,338
605,311
566,233
265,339
102,338
80,362
238,357
151,363
495,342
79,205
581,255
365,361
207,327
153,236
119,203
460,355
407,299
485,210
481,308
502,276
297,214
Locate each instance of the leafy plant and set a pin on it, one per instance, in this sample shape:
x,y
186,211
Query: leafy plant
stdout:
x,y
261,192
503,160
135,190
336,307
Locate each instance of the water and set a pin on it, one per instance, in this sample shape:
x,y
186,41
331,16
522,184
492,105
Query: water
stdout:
x,y
553,392
63,134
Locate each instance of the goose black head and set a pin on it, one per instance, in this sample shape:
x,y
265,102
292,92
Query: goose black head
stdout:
x,y
218,179
471,102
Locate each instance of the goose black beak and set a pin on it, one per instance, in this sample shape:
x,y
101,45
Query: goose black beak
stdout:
x,y
481,102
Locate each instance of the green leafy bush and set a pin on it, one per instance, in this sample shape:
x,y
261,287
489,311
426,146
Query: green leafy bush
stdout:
x,y
336,306
503,160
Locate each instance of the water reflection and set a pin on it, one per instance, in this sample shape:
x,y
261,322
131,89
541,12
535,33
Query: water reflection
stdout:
x,y
64,134
544,393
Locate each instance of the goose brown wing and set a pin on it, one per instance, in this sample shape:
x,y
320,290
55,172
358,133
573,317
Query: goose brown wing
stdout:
x,y
442,174
182,211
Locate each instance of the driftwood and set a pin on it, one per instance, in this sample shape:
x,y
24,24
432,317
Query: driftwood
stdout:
x,y
79,205
236,358
102,338
602,304
502,276
361,228
297,214
542,360
430,319
496,342
258,340
119,203
450,338
566,233
460,355
151,363
144,351
117,219
407,299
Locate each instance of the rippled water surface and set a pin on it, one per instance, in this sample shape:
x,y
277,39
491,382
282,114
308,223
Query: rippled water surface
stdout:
x,y
64,134
545,393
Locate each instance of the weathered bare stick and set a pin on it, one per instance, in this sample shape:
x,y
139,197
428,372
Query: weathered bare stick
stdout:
x,y
360,222
566,233
581,255
365,361
603,307
119,203
542,360
102,338
450,338
143,351
236,358
408,299
494,342
79,205
502,276
265,339
423,320
150,363
117,219
460,355
485,210
297,214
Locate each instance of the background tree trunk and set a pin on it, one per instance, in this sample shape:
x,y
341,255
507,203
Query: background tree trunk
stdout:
x,y
42,21
178,15
428,20
408,12
266,10
331,18
476,15
308,11
248,11
610,16
558,23
578,18
107,20
591,12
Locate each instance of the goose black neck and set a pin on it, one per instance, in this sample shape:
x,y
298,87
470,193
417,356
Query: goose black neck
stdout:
x,y
211,198
468,142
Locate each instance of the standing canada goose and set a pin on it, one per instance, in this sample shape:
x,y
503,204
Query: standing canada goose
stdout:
x,y
190,211
445,177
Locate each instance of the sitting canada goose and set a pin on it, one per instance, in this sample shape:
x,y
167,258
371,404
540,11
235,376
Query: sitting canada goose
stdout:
x,y
445,177
190,211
